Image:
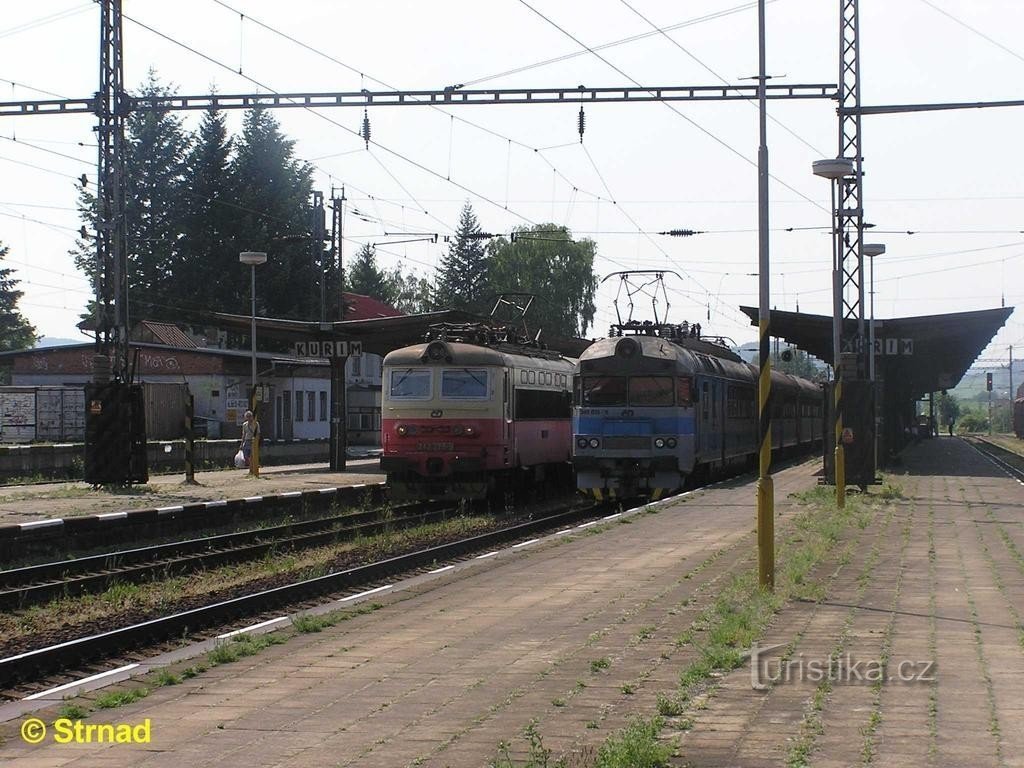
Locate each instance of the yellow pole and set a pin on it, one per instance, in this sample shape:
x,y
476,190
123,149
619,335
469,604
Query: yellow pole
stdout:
x,y
840,455
765,486
254,462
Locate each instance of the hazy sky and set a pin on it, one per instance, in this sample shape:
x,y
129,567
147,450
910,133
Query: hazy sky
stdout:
x,y
953,178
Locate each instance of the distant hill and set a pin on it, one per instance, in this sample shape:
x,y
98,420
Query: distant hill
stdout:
x,y
52,341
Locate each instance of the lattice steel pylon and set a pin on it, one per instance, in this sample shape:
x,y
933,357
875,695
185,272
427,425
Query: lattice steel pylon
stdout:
x,y
850,211
112,108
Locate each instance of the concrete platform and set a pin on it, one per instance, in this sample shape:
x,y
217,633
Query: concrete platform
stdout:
x,y
444,672
29,503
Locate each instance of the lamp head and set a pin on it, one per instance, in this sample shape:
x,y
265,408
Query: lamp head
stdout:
x,y
836,168
252,258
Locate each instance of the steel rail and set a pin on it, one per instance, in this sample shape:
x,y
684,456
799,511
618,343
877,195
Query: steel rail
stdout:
x,y
34,584
985,448
24,666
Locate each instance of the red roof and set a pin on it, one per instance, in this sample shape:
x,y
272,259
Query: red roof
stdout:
x,y
359,307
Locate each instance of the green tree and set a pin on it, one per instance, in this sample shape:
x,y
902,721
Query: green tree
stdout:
x,y
948,407
412,292
271,190
15,330
155,148
544,260
462,277
973,419
207,244
799,364
366,278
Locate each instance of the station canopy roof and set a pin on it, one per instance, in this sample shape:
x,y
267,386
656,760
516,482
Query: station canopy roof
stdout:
x,y
924,354
379,335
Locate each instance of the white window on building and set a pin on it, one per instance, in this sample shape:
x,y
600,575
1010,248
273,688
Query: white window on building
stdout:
x,y
357,366
364,419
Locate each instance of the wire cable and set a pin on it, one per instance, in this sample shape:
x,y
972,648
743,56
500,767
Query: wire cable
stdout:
x,y
672,107
43,21
978,32
364,76
614,43
693,56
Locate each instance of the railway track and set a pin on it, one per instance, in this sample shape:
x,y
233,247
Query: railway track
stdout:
x,y
36,584
81,652
1012,463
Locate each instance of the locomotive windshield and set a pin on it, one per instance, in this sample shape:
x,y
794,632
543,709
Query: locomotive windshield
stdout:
x,y
604,390
464,384
638,391
410,384
650,390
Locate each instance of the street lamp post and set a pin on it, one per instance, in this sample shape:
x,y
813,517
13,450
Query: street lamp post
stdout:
x,y
871,250
835,170
253,258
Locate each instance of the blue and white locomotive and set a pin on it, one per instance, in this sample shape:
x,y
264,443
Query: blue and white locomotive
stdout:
x,y
655,405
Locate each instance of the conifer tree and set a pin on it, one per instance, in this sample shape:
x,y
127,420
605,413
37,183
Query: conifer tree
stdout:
x,y
364,277
15,330
462,277
206,253
272,190
155,148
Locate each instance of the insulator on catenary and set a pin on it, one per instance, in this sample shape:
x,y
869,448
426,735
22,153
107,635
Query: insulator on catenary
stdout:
x,y
582,124
366,128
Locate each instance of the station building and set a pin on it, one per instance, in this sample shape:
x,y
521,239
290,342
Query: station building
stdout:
x,y
43,393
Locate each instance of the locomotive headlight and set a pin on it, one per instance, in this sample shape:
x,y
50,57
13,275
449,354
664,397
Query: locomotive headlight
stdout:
x,y
469,431
402,430
594,442
457,430
671,442
581,443
659,443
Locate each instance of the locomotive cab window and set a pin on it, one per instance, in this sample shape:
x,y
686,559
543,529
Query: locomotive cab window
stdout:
x,y
650,390
464,384
683,396
410,384
604,390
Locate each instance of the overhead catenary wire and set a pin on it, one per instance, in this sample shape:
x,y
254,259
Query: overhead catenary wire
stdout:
x,y
44,20
614,43
673,108
976,31
707,68
363,75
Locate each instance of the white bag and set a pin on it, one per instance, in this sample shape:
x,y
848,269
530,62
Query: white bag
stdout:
x,y
240,459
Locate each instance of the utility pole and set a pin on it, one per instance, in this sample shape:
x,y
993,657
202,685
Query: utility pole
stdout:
x,y
111,108
316,249
765,486
1013,394
339,425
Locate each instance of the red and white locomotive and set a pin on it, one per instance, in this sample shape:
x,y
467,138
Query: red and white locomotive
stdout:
x,y
473,411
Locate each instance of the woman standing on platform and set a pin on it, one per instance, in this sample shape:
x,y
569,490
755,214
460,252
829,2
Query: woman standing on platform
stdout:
x,y
250,432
